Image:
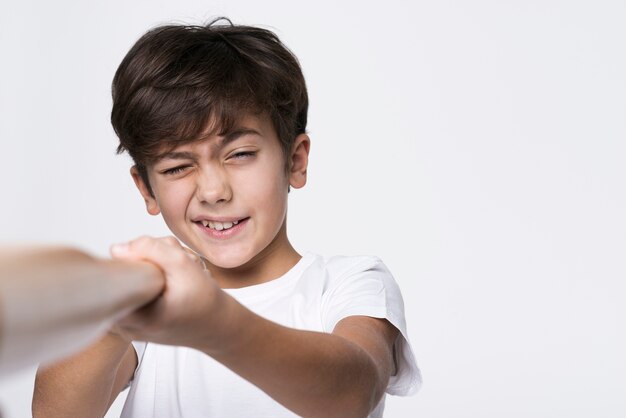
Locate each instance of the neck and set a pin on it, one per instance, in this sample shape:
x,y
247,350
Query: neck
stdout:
x,y
271,263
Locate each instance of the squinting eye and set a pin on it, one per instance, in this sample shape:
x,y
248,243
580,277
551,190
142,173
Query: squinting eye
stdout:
x,y
175,170
243,154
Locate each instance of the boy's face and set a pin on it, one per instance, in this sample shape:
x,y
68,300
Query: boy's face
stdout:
x,y
226,196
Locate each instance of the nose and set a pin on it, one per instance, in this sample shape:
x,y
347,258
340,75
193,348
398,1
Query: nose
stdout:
x,y
213,187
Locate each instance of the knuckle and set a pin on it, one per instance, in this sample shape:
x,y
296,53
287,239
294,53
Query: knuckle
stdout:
x,y
142,242
180,256
171,240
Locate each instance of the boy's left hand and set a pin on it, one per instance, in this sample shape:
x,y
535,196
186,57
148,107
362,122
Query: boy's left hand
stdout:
x,y
187,310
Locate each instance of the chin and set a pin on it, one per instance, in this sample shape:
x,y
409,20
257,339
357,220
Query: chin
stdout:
x,y
228,260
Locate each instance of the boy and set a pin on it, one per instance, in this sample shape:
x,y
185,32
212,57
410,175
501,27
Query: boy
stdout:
x,y
214,118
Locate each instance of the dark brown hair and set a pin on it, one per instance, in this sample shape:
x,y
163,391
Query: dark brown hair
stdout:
x,y
178,79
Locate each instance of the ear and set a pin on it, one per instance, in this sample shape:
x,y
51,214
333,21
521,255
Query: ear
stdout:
x,y
299,161
152,205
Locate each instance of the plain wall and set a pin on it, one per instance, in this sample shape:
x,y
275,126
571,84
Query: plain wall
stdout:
x,y
477,147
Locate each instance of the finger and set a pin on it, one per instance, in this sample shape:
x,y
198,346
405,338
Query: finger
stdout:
x,y
191,253
164,252
135,248
123,250
119,250
171,240
195,257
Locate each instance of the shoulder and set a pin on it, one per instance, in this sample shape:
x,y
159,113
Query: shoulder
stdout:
x,y
344,280
328,273
354,282
337,273
341,266
358,271
359,285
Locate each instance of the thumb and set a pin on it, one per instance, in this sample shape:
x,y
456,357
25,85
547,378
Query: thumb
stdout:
x,y
120,251
165,252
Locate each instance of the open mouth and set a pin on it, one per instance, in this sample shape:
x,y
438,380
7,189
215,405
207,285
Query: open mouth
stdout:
x,y
221,226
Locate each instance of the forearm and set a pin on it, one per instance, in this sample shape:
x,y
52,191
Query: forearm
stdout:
x,y
55,301
313,374
83,385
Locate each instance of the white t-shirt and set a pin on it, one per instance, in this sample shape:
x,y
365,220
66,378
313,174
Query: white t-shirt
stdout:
x,y
180,382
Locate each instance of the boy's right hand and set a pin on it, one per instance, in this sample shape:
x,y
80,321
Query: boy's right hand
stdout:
x,y
188,309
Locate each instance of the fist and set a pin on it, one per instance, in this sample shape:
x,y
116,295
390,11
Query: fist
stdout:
x,y
186,312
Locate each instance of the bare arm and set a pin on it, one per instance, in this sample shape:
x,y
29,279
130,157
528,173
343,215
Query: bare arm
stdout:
x,y
314,374
55,301
86,384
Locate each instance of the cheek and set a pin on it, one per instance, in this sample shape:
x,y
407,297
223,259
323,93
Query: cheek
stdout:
x,y
276,206
174,201
267,194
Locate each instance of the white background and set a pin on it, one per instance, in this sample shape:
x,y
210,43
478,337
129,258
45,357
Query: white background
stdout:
x,y
477,147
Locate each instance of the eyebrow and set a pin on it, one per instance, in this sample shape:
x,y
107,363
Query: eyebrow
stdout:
x,y
234,135
220,143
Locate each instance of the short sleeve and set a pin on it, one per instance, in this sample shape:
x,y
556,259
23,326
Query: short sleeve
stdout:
x,y
140,349
367,288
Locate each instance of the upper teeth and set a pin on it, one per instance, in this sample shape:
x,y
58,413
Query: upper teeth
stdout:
x,y
219,225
